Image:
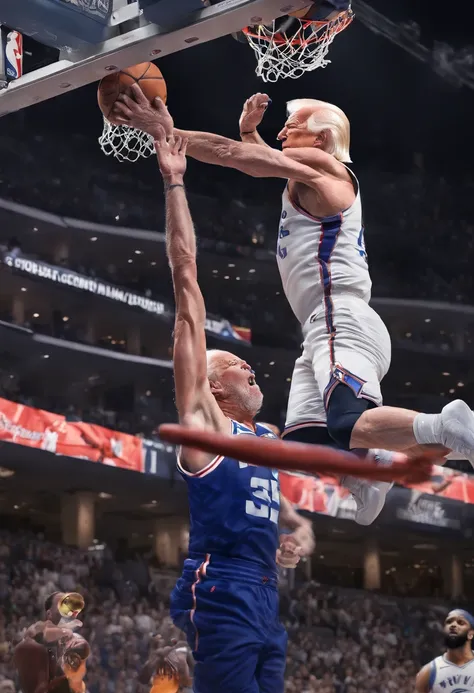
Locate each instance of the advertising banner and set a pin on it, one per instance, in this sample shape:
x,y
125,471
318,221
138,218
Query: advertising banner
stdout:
x,y
40,429
445,502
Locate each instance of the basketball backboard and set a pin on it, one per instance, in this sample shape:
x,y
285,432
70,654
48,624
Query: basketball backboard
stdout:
x,y
134,40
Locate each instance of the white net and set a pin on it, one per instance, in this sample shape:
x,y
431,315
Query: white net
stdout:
x,y
124,143
281,55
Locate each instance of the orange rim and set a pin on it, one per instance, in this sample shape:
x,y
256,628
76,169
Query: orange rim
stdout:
x,y
335,25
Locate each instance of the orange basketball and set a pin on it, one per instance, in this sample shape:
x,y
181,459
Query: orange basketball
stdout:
x,y
147,75
164,684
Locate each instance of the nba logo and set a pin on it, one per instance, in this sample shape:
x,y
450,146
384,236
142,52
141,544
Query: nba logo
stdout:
x,y
14,55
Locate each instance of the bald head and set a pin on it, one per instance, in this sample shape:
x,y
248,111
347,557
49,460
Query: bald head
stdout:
x,y
216,361
233,384
320,116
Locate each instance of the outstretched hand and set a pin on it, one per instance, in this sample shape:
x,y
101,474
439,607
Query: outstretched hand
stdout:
x,y
253,112
171,153
134,109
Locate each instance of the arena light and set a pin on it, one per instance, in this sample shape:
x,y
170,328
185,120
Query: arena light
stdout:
x,y
427,319
460,384
36,315
6,473
23,288
231,264
446,374
408,384
452,391
104,495
65,318
93,239
46,356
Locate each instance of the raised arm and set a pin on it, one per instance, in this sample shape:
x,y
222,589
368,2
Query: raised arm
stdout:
x,y
252,159
193,395
252,114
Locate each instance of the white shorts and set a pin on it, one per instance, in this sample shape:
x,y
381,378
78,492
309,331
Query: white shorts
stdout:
x,y
348,343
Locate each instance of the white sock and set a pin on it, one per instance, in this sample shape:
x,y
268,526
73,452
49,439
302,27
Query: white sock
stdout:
x,y
427,429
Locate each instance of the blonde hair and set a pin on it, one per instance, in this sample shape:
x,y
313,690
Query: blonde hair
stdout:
x,y
328,117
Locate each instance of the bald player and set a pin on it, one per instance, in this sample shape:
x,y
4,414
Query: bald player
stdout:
x,y
453,672
335,392
226,601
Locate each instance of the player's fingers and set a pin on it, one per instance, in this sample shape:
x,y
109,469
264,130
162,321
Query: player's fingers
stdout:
x,y
138,95
160,139
184,145
124,98
160,106
176,145
117,120
122,109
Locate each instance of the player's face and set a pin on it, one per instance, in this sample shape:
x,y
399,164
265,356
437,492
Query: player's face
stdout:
x,y
457,630
296,133
239,386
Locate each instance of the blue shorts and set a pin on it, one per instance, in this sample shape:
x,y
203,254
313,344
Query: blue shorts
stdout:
x,y
234,630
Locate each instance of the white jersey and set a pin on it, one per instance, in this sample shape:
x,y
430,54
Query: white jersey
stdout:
x,y
318,258
446,677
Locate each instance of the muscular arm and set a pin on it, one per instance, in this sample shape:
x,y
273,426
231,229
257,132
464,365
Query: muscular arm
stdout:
x,y
422,681
252,159
193,394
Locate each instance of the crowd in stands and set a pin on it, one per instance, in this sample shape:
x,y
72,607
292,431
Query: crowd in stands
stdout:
x,y
340,640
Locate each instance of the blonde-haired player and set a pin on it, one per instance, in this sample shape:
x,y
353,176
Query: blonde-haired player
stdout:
x,y
335,392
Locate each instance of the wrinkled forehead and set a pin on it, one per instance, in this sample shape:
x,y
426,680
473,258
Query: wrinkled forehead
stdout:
x,y
300,116
221,359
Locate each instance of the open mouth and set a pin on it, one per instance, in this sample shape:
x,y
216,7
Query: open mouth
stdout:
x,y
252,380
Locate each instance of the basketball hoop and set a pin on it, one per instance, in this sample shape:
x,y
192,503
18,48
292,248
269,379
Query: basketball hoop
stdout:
x,y
300,48
125,143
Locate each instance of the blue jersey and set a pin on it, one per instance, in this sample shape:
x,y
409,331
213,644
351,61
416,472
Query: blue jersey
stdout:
x,y
234,510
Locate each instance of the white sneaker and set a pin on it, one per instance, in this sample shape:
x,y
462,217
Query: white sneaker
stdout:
x,y
457,429
369,495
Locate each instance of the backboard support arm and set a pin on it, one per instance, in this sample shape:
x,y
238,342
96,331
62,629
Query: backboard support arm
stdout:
x,y
75,69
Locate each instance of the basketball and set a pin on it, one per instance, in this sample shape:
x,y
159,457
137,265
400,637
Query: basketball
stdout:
x,y
147,75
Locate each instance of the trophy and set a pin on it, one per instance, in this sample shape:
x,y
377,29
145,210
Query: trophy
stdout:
x,y
70,606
